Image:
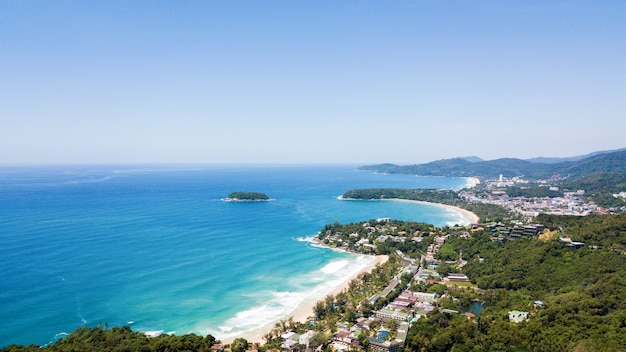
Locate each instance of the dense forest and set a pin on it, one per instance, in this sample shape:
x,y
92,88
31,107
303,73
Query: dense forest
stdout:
x,y
121,339
533,192
582,292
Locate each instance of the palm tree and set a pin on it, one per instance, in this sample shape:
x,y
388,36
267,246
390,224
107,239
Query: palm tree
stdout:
x,y
290,322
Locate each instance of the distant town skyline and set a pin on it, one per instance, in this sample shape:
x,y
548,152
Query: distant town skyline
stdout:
x,y
355,82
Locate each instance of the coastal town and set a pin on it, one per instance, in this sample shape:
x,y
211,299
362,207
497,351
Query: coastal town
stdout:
x,y
427,280
571,202
424,276
418,287
421,279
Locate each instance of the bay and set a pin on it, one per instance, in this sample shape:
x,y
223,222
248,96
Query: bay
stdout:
x,y
155,247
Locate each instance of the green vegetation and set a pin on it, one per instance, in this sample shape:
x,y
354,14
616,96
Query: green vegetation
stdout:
x,y
582,293
532,192
247,196
120,339
606,232
485,212
600,175
427,195
336,309
372,230
600,187
582,289
612,162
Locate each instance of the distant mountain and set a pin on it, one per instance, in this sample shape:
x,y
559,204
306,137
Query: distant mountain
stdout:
x,y
609,162
472,159
392,168
378,167
546,160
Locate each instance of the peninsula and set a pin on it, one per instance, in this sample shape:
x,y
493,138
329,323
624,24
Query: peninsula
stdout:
x,y
242,196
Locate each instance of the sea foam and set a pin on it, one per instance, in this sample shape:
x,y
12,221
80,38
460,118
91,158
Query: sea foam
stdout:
x,y
282,304
155,246
334,266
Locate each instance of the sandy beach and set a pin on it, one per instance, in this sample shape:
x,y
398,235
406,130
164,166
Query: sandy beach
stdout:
x,y
468,216
472,182
305,309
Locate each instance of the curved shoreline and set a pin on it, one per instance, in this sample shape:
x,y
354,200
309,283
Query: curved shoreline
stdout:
x,y
304,310
468,216
472,182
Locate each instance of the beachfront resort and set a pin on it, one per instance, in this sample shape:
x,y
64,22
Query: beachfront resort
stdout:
x,y
381,321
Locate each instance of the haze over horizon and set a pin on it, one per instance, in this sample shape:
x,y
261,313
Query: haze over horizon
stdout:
x,y
363,82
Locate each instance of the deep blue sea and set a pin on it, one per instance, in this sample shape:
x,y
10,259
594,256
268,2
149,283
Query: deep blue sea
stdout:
x,y
156,248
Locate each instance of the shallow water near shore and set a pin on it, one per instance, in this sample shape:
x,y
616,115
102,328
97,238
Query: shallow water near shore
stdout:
x,y
156,248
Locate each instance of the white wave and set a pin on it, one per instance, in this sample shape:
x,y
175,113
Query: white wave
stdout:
x,y
251,312
334,266
277,305
56,338
471,182
225,328
93,180
316,245
455,218
153,333
310,239
280,306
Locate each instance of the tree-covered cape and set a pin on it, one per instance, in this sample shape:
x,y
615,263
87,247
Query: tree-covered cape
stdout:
x,y
121,339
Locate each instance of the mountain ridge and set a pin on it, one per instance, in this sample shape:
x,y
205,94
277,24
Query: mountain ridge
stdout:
x,y
597,162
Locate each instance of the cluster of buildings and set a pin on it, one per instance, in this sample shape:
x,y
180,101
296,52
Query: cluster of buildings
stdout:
x,y
400,312
502,233
571,203
390,324
352,337
366,239
386,329
516,316
291,339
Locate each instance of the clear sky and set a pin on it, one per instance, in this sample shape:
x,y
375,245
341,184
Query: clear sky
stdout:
x,y
309,81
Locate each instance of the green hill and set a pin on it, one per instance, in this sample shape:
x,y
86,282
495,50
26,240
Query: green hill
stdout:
x,y
611,162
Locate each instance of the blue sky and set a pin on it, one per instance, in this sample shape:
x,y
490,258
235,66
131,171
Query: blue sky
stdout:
x,y
309,81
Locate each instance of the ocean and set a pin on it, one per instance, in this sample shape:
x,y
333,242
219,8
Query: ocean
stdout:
x,y
156,248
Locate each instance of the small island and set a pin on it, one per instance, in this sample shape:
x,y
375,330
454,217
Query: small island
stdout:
x,y
247,197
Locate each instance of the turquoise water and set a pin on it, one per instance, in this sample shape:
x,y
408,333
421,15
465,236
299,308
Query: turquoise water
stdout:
x,y
157,248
